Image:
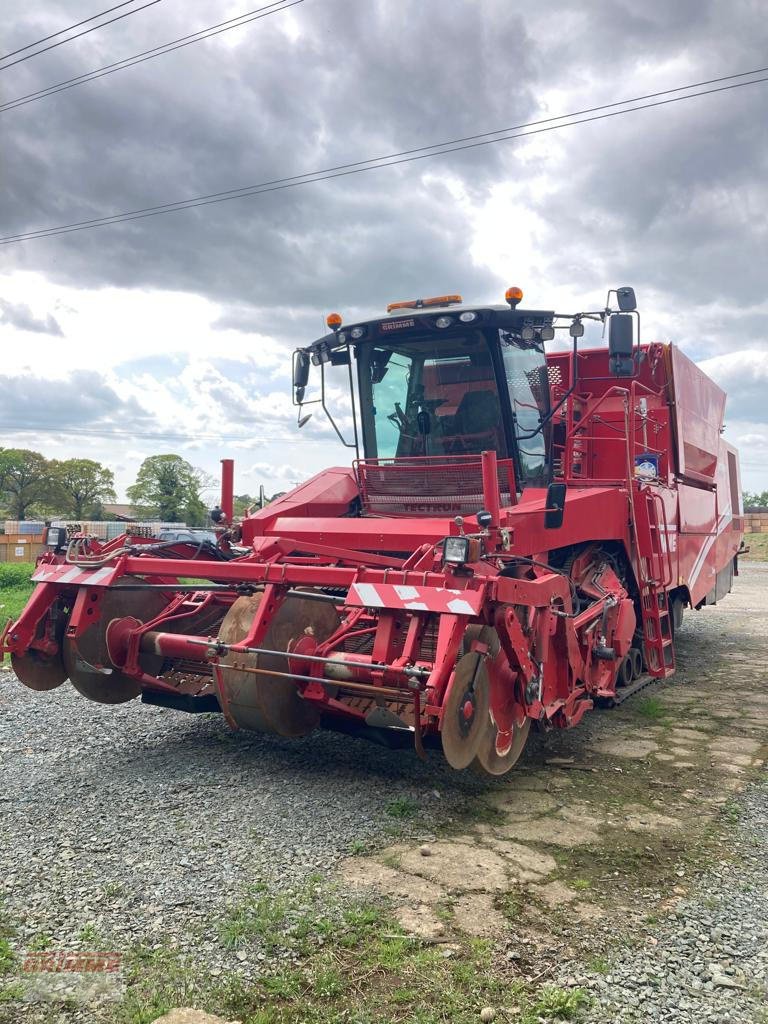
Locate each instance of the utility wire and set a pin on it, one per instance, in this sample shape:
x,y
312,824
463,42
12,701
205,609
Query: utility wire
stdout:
x,y
236,193
69,39
373,163
157,51
61,31
158,435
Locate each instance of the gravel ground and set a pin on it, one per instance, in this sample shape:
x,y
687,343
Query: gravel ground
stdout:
x,y
133,824
138,821
709,960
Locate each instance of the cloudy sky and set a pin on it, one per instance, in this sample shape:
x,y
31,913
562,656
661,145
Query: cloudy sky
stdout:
x,y
118,341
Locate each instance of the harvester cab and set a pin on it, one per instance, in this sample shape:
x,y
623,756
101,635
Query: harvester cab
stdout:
x,y
514,542
437,378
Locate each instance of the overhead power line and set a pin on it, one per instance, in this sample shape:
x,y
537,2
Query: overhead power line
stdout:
x,y
69,28
393,159
69,39
157,51
157,435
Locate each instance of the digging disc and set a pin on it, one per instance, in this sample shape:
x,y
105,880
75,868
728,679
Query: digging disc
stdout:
x,y
498,753
489,761
38,672
91,647
465,712
267,703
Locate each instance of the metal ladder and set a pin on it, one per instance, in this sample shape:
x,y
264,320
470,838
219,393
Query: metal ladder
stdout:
x,y
655,563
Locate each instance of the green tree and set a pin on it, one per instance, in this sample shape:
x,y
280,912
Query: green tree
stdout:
x,y
168,488
755,500
81,486
26,482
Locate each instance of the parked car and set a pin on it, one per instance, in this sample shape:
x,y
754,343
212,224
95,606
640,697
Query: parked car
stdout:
x,y
191,535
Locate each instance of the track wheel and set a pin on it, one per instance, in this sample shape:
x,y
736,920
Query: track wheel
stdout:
x,y
466,711
265,703
86,658
637,662
624,674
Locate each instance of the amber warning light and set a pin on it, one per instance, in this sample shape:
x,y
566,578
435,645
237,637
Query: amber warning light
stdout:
x,y
334,321
513,296
436,300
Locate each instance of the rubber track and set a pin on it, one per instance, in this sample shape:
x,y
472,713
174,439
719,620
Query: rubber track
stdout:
x,y
629,691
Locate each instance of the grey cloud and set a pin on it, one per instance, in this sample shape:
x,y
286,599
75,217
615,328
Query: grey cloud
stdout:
x,y
20,316
31,401
672,200
363,79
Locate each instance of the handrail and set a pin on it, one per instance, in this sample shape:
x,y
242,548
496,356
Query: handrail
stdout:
x,y
575,430
657,498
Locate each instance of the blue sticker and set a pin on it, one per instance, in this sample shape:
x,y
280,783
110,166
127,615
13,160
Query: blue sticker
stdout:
x,y
646,466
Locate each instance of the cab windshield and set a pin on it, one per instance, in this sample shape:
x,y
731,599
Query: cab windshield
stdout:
x,y
439,395
432,396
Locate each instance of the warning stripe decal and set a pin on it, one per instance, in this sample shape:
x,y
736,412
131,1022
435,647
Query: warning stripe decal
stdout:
x,y
74,574
427,599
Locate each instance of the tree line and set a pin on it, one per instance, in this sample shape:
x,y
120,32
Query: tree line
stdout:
x,y
755,499
167,488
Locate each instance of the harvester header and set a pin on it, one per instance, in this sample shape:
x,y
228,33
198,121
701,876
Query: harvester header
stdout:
x,y
515,541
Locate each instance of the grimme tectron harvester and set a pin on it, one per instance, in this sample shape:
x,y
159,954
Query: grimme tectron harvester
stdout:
x,y
515,541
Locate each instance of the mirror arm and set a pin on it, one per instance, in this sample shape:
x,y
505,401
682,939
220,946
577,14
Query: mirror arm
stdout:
x,y
332,421
352,399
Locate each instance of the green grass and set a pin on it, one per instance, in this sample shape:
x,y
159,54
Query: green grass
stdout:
x,y
15,588
598,965
7,957
651,708
350,964
758,547
558,1004
402,807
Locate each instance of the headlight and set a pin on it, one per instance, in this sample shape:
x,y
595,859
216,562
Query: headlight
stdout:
x,y
547,333
357,332
456,550
467,317
444,321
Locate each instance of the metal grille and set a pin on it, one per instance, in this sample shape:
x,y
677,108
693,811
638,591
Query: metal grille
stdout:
x,y
428,486
555,375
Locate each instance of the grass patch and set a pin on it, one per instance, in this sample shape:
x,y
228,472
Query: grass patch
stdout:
x,y
12,992
89,936
15,588
557,1004
651,708
405,980
758,547
598,965
7,957
402,807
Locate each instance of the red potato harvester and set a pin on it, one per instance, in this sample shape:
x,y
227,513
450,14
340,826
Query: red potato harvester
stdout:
x,y
514,542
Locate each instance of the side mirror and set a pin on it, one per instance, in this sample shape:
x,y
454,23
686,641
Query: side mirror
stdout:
x,y
555,506
301,364
621,345
626,299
